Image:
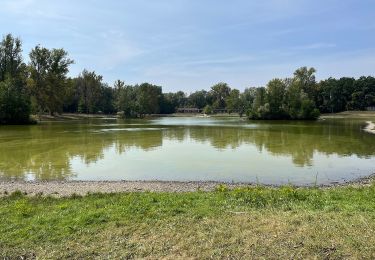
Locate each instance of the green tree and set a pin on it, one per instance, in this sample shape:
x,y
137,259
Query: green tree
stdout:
x,y
14,97
276,97
89,87
220,92
14,103
208,110
126,100
148,98
198,99
305,78
48,81
233,101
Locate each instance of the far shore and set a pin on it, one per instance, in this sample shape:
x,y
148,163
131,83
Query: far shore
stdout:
x,y
77,116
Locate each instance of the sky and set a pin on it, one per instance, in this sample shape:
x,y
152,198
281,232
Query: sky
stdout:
x,y
192,44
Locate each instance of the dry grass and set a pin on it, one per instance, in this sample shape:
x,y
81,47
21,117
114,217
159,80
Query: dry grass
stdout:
x,y
246,223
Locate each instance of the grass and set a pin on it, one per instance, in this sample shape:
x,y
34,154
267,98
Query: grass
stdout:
x,y
255,222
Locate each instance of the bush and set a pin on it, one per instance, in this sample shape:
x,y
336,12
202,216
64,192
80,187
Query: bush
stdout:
x,y
208,110
14,103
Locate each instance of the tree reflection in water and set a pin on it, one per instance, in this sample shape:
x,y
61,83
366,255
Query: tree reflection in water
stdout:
x,y
46,151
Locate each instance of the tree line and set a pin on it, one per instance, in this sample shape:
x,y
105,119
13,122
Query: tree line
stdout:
x,y
43,86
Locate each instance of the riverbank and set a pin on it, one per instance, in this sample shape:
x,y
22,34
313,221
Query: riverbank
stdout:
x,y
253,222
350,114
78,116
68,188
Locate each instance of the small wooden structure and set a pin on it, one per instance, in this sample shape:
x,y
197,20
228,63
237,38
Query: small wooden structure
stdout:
x,y
192,110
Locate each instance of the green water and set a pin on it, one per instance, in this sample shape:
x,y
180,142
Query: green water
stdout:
x,y
189,149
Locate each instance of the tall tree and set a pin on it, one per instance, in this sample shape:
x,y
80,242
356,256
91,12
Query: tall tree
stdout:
x,y
14,97
89,86
198,99
148,98
233,101
220,92
276,97
305,78
48,81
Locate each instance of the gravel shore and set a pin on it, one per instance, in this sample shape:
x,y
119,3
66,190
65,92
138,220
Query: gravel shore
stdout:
x,y
67,188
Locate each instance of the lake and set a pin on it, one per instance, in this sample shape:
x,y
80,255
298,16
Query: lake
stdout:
x,y
189,149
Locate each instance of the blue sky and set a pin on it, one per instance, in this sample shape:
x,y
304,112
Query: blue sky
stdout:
x,y
193,44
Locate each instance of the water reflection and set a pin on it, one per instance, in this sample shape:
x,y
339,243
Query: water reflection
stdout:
x,y
45,152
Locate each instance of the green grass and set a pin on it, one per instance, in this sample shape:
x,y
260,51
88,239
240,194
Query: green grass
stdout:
x,y
243,223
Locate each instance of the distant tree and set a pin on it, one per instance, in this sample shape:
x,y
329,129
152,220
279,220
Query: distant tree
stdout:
x,y
247,99
305,78
208,110
276,90
198,99
363,93
14,103
48,81
126,101
89,87
219,93
260,98
14,97
71,99
233,101
106,103
181,99
148,98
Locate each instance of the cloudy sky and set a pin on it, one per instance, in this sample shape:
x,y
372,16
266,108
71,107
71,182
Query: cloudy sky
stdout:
x,y
193,44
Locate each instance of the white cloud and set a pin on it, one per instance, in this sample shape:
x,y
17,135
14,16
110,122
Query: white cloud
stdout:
x,y
319,45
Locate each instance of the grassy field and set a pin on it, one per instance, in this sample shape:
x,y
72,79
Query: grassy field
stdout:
x,y
248,222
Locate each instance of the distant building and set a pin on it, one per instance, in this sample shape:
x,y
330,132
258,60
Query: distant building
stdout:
x,y
189,110
370,108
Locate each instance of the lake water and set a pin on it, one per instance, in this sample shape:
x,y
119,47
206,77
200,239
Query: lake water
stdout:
x,y
189,149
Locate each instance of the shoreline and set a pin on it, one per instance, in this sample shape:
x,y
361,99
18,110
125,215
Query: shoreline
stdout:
x,y
68,188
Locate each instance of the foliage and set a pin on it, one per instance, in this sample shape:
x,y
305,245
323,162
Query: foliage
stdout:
x,y
198,99
139,100
14,97
14,103
48,78
220,92
44,86
233,101
287,99
208,110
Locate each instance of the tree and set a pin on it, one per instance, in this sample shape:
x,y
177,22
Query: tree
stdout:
x,y
126,100
198,99
275,98
14,98
48,81
305,77
89,87
106,103
220,92
14,103
208,110
148,98
233,101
